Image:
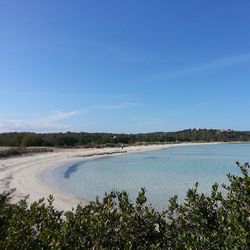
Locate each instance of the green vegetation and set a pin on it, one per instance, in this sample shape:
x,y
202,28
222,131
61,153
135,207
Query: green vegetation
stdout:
x,y
70,139
21,151
202,222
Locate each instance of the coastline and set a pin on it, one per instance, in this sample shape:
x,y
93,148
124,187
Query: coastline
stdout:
x,y
23,173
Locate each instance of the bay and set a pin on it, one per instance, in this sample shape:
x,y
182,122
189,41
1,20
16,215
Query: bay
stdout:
x,y
163,173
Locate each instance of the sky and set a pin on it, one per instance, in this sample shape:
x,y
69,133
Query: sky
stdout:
x,y
124,66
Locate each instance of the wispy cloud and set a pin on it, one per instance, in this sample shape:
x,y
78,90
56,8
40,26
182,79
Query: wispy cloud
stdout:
x,y
59,115
56,121
118,52
48,123
123,105
215,64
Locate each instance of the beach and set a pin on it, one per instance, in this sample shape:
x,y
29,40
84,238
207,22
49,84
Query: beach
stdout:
x,y
23,173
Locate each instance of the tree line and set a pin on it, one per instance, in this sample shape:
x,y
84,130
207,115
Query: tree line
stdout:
x,y
72,139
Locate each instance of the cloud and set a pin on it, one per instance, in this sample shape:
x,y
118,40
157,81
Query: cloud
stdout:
x,y
49,123
55,122
58,116
215,64
120,53
123,105
205,66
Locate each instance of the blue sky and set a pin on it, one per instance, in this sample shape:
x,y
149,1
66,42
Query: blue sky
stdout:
x,y
124,66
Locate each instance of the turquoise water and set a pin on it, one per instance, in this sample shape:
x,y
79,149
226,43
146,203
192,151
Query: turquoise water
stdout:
x,y
163,173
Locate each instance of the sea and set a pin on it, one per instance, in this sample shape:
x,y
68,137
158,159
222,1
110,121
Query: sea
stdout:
x,y
163,173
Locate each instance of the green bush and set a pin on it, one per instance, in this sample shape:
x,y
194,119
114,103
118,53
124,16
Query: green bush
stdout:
x,y
202,221
30,140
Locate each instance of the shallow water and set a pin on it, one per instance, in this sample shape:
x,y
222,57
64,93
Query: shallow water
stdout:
x,y
163,173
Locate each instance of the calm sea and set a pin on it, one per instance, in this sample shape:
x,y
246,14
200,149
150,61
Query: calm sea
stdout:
x,y
163,173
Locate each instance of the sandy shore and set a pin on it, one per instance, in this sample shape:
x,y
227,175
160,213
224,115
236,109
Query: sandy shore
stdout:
x,y
23,173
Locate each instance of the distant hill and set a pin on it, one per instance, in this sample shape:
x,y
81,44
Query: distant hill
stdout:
x,y
83,139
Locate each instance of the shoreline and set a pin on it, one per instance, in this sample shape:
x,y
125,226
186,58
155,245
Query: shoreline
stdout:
x,y
24,173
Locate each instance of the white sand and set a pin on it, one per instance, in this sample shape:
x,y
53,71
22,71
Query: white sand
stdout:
x,y
23,172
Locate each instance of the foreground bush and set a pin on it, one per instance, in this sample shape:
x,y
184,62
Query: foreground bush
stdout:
x,y
201,222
